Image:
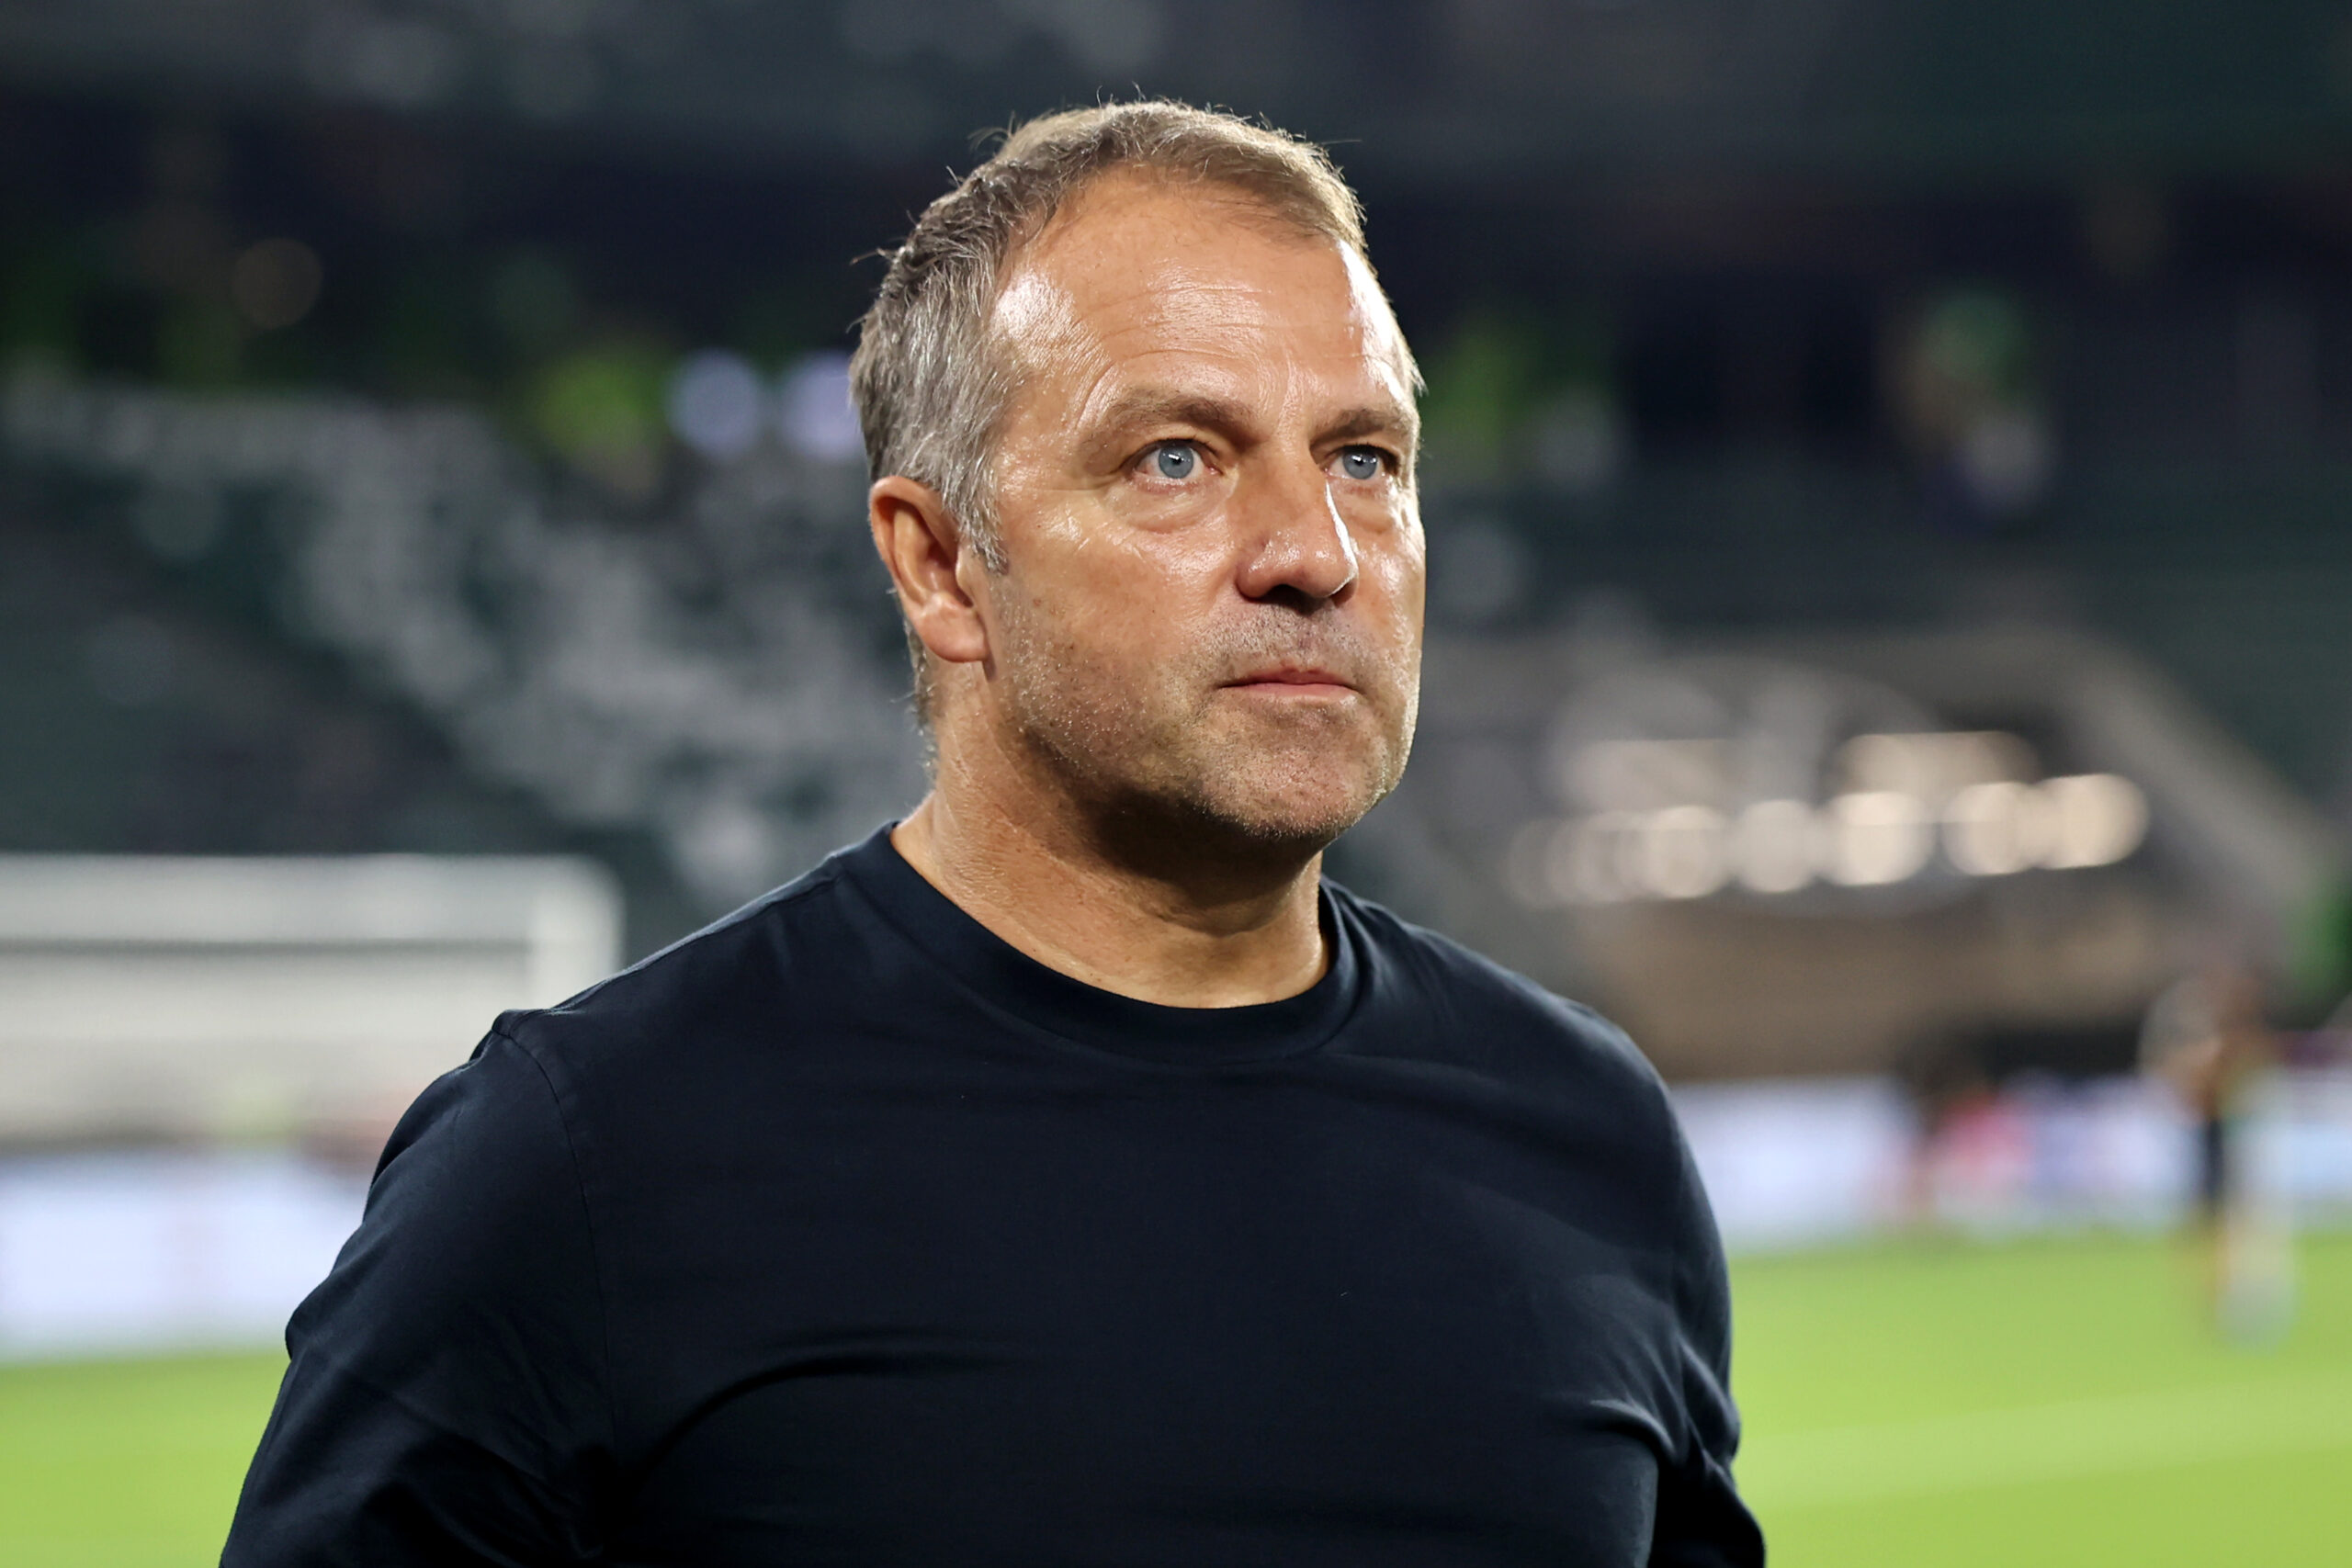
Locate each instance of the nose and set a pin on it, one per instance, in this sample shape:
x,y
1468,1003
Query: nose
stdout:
x,y
1297,546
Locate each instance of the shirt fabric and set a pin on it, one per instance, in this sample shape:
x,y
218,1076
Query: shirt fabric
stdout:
x,y
844,1233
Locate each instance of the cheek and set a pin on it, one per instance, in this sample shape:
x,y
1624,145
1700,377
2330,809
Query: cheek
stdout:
x,y
1401,565
1139,592
1414,551
1104,617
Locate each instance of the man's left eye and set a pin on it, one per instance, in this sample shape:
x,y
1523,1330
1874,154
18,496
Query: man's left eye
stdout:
x,y
1174,460
1361,463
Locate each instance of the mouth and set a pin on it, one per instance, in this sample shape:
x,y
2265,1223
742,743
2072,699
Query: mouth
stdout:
x,y
1300,683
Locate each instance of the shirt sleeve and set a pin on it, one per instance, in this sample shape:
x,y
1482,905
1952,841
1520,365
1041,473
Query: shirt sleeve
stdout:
x,y
446,1400
1702,1523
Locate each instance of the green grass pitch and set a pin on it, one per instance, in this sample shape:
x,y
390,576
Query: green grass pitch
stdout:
x,y
2051,1402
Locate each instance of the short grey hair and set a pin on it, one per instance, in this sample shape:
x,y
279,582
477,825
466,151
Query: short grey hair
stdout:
x,y
931,385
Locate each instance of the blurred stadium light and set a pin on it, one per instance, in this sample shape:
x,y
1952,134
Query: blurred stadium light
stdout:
x,y
1849,842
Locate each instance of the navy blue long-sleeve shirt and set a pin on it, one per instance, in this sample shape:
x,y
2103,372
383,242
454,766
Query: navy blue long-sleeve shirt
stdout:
x,y
843,1233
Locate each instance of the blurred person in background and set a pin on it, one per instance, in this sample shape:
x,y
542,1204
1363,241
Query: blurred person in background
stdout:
x,y
1066,1173
2207,1036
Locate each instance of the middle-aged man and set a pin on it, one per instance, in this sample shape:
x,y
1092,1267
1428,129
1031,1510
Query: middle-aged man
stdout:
x,y
1066,1174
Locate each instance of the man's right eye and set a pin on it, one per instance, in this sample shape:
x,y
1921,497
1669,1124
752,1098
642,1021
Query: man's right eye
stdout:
x,y
1174,460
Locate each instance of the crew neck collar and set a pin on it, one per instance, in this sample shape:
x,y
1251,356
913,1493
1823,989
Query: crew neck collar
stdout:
x,y
1086,1015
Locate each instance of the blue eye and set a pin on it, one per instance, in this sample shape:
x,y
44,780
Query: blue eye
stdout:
x,y
1175,461
1361,463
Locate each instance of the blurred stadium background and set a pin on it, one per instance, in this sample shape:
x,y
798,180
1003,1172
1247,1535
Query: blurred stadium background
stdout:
x,y
1890,492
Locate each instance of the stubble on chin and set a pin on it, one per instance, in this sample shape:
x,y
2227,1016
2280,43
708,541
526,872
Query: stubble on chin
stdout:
x,y
1171,751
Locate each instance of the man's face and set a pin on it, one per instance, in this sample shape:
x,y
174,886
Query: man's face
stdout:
x,y
1211,605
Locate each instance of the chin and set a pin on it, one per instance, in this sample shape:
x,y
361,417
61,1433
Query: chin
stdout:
x,y
1291,807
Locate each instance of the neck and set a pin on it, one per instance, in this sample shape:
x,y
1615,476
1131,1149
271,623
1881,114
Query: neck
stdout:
x,y
1129,910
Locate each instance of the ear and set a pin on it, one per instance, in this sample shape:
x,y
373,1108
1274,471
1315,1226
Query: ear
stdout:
x,y
923,550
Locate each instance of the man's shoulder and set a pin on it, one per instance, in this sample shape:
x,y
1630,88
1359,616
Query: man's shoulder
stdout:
x,y
775,956
1492,1016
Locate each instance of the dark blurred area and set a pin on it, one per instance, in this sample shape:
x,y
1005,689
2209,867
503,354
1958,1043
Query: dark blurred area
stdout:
x,y
422,431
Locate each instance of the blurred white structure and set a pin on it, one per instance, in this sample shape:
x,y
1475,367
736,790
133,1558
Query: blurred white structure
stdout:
x,y
184,998
1801,1162
123,1252
1792,1162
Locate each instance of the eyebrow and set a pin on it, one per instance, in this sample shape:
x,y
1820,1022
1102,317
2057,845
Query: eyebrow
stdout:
x,y
1152,405
1146,406
1373,419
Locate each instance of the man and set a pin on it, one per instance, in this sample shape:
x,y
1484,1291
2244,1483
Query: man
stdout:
x,y
1066,1175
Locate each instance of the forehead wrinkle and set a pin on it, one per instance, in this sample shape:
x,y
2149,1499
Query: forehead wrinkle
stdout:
x,y
1181,287
1173,309
1043,278
1041,329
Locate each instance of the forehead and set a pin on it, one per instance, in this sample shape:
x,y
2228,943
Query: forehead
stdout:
x,y
1152,269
